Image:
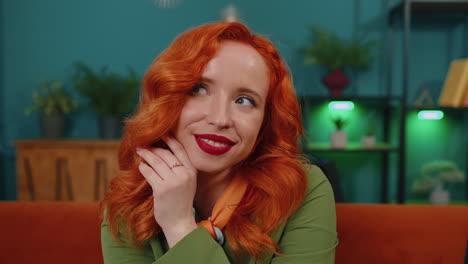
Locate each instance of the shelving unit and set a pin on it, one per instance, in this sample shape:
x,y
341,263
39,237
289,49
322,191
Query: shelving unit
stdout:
x,y
390,103
386,104
453,11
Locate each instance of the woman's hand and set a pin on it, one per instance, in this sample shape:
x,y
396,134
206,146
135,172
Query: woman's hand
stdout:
x,y
173,180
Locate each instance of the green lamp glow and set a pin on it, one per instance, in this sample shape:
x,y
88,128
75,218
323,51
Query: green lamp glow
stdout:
x,y
430,115
341,105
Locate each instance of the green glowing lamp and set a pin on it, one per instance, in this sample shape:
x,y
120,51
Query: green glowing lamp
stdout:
x,y
341,105
430,115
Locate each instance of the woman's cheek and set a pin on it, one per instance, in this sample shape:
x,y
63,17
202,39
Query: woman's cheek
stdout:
x,y
250,128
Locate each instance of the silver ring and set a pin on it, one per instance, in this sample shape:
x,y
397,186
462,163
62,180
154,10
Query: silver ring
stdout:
x,y
177,164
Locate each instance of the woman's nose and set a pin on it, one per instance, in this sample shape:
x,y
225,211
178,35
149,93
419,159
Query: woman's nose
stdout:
x,y
219,114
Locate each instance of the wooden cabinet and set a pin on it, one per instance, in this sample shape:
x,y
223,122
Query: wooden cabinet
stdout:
x,y
72,170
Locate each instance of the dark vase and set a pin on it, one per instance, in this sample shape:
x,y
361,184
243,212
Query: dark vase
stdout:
x,y
52,126
110,127
336,80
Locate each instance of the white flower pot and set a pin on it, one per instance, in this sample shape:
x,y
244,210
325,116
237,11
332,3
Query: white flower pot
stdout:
x,y
339,139
368,141
439,196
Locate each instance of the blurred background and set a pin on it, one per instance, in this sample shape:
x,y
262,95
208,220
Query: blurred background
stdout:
x,y
44,40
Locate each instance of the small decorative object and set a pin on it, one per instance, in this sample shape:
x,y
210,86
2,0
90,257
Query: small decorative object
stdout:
x,y
424,100
336,55
339,137
336,80
439,196
230,14
425,94
110,95
435,176
454,92
52,102
166,3
368,140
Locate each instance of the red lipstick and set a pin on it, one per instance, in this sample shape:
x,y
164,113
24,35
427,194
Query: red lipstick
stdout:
x,y
210,149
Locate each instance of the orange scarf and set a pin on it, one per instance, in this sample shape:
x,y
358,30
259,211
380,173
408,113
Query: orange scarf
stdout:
x,y
224,207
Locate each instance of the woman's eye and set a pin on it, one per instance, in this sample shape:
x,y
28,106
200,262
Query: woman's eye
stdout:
x,y
199,89
245,101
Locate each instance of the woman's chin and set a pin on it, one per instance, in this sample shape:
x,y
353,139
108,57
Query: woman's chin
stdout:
x,y
212,166
210,170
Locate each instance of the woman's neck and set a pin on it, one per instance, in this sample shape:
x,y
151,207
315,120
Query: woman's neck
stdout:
x,y
210,187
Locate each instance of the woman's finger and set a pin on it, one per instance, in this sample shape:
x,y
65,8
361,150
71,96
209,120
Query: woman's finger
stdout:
x,y
150,175
155,162
171,161
178,150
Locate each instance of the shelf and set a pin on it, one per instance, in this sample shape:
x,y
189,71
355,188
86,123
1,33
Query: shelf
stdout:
x,y
439,6
367,99
438,9
442,108
352,147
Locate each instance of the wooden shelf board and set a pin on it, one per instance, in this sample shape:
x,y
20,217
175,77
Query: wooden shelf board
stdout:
x,y
351,147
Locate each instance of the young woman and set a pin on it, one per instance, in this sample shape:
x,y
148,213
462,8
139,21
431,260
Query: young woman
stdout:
x,y
210,170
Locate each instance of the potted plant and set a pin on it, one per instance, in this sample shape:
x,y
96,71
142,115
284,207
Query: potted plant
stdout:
x,y
435,176
52,102
110,95
337,55
339,136
368,140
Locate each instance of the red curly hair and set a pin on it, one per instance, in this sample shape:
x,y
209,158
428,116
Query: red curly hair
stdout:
x,y
274,169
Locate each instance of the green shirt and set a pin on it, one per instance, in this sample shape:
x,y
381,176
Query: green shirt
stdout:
x,y
309,236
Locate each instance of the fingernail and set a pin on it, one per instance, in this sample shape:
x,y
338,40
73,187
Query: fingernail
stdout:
x,y
138,149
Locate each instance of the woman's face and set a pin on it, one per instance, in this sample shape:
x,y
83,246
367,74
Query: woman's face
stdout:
x,y
221,119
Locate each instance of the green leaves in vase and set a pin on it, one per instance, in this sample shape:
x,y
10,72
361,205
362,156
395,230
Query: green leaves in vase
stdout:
x,y
51,99
108,93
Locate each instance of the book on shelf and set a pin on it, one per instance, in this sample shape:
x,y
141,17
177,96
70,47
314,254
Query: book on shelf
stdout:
x,y
455,90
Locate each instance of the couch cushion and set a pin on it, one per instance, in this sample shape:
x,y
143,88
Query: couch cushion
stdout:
x,y
50,232
69,232
376,233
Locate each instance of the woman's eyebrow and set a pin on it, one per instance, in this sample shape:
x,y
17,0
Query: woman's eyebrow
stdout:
x,y
206,80
251,92
240,90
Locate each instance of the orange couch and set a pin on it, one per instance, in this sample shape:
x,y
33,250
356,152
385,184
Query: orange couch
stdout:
x,y
66,232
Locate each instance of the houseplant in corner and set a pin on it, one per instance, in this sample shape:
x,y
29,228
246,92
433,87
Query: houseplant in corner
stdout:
x,y
339,138
434,178
52,102
338,55
110,95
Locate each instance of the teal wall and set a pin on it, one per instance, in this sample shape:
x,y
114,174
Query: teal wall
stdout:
x,y
41,39
2,123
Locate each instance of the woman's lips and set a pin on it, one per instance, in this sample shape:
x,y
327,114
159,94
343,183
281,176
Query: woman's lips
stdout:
x,y
210,149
